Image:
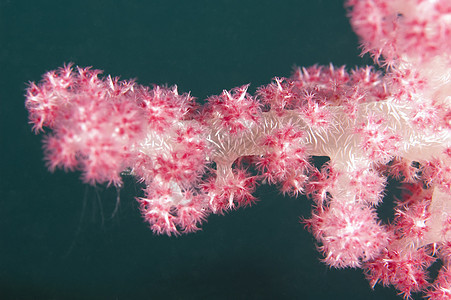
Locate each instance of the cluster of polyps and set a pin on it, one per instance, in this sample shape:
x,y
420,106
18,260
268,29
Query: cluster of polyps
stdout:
x,y
195,160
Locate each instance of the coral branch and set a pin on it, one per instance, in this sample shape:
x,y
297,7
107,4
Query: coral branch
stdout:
x,y
374,126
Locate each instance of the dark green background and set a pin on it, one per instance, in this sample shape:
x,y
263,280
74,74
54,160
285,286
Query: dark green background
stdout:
x,y
57,240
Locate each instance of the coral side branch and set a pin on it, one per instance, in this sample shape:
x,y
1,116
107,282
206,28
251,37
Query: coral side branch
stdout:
x,y
374,126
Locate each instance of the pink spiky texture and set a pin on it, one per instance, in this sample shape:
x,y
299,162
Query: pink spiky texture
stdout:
x,y
391,29
284,163
94,121
349,233
374,126
232,190
233,110
378,141
406,271
159,210
442,286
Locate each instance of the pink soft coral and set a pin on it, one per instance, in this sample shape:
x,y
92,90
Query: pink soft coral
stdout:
x,y
372,125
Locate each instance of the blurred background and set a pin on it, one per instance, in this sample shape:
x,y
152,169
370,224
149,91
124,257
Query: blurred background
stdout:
x,y
58,238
